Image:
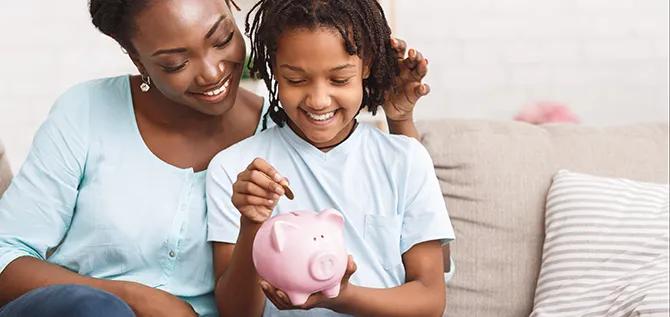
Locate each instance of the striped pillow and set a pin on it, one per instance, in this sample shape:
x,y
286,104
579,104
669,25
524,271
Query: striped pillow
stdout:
x,y
605,250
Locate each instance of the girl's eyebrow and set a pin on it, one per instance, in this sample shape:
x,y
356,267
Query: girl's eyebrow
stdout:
x,y
341,67
183,49
334,69
293,68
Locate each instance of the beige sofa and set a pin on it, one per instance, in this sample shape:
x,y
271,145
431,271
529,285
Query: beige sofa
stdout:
x,y
495,176
5,171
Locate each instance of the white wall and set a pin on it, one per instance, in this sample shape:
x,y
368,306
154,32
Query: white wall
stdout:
x,y
607,59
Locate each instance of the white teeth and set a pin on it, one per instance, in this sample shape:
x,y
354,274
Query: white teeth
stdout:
x,y
321,117
217,91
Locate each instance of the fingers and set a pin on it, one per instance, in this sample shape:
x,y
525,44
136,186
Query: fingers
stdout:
x,y
267,169
242,200
259,180
351,268
255,192
277,297
246,185
400,47
421,90
415,66
264,182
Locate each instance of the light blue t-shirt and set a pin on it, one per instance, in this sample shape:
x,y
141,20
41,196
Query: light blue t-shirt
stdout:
x,y
91,192
384,186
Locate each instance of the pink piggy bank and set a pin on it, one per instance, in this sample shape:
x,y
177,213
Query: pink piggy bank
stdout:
x,y
302,253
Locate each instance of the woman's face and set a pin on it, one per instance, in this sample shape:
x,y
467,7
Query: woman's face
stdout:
x,y
193,52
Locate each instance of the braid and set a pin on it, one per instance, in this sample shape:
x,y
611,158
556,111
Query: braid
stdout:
x,y
361,23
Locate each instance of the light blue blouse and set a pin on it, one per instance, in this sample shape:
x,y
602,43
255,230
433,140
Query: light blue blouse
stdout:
x,y
91,197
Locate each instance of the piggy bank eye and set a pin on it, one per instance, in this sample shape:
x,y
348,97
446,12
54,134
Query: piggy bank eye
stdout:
x,y
322,236
314,238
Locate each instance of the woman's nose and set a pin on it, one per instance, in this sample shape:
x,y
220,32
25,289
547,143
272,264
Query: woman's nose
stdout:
x,y
211,73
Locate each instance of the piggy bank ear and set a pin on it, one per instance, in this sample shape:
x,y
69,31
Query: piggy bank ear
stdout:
x,y
280,230
332,215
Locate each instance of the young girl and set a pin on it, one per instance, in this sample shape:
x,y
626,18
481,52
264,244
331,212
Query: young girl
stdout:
x,y
324,61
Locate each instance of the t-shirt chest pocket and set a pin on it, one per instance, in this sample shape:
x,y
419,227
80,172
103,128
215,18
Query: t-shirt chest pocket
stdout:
x,y
382,234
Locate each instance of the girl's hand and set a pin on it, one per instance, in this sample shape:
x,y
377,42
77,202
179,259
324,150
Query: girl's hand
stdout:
x,y
408,88
257,190
282,302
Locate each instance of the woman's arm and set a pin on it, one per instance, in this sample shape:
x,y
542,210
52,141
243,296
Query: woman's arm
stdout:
x,y
27,273
37,208
36,213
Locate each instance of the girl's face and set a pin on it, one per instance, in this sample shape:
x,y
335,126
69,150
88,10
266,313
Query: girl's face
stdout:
x,y
193,52
320,84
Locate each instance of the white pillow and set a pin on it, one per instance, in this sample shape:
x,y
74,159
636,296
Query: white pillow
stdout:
x,y
605,250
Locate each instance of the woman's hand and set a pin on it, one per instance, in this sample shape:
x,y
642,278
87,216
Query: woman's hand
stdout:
x,y
151,302
257,190
282,301
408,88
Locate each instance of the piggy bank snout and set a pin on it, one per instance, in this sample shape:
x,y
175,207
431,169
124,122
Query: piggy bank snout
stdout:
x,y
323,266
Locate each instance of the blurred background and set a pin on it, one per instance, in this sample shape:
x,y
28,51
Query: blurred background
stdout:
x,y
606,61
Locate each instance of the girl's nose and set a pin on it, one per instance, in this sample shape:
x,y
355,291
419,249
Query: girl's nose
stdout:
x,y
319,98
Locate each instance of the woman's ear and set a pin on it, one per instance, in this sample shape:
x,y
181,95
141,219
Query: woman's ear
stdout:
x,y
138,64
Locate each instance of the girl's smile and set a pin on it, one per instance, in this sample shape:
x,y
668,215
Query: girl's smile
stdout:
x,y
320,84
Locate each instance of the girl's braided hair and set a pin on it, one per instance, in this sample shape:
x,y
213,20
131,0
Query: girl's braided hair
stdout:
x,y
361,23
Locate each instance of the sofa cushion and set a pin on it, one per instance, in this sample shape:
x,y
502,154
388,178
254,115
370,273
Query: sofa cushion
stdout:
x,y
5,172
605,248
495,177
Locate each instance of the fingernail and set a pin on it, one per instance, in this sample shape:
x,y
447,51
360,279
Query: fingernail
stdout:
x,y
275,197
278,177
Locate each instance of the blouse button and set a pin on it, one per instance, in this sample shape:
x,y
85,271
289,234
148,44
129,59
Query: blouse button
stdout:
x,y
172,254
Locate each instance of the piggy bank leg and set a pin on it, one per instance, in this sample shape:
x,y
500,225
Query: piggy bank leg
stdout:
x,y
298,299
332,292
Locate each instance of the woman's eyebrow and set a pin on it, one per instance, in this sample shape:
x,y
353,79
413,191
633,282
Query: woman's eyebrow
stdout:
x,y
215,26
183,49
170,51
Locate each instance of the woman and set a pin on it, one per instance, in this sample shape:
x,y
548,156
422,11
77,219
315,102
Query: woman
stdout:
x,y
107,215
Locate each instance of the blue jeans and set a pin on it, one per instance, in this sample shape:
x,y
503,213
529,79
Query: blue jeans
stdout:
x,y
67,300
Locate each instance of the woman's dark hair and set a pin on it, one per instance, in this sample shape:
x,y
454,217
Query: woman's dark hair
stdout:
x,y
361,23
116,18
